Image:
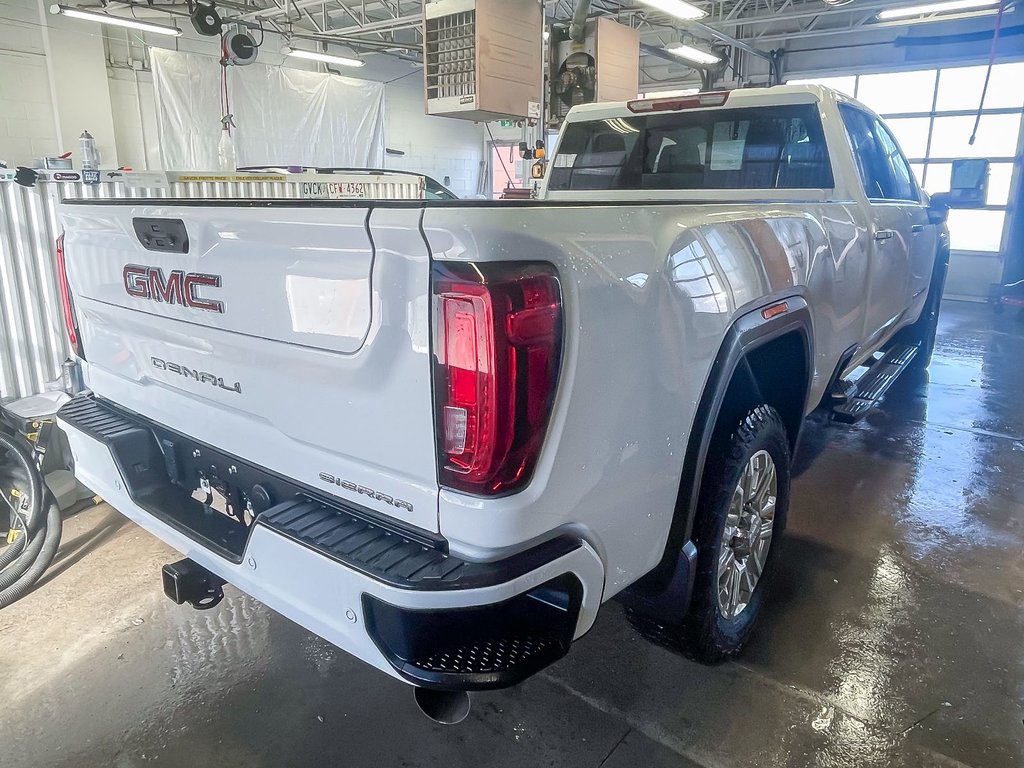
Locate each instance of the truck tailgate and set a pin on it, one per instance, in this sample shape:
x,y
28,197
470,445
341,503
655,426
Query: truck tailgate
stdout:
x,y
294,337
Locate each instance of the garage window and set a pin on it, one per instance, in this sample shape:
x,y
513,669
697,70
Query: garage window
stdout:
x,y
931,113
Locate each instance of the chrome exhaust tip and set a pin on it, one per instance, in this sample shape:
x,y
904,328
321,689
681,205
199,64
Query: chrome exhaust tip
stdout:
x,y
444,707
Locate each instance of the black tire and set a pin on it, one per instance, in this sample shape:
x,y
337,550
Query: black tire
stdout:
x,y
923,331
707,635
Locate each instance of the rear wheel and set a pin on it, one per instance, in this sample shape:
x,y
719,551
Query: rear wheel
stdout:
x,y
740,518
923,331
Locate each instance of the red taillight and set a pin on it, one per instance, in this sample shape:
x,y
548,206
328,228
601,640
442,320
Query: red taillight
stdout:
x,y
68,305
708,99
498,343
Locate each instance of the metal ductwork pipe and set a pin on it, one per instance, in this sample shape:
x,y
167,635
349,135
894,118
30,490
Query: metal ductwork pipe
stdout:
x,y
577,27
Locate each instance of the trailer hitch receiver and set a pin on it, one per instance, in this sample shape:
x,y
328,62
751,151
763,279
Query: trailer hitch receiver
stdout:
x,y
188,582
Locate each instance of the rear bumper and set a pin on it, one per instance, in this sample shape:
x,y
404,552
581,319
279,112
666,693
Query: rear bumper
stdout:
x,y
406,606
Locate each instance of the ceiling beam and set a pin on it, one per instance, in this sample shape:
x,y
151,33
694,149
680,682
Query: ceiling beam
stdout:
x,y
414,21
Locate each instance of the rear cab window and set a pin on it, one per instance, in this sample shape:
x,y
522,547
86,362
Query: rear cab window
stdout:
x,y
769,147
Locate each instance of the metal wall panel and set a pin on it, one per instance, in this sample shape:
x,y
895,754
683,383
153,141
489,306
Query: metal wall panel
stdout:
x,y
32,339
33,344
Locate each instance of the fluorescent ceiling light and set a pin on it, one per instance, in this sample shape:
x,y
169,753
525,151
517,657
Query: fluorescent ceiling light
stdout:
x,y
327,58
678,8
696,55
909,11
117,21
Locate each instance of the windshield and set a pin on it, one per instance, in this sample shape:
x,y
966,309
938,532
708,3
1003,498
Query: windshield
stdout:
x,y
772,147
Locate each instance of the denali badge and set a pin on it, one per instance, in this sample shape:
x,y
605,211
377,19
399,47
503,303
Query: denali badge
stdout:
x,y
180,288
192,373
366,491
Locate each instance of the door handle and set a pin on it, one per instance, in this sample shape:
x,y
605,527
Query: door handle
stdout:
x,y
917,228
884,234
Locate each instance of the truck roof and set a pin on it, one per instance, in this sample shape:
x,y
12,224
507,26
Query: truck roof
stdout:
x,y
740,97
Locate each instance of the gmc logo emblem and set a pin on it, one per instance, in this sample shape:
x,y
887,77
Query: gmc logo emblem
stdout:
x,y
179,288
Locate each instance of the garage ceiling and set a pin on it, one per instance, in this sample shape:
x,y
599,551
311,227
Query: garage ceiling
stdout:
x,y
394,25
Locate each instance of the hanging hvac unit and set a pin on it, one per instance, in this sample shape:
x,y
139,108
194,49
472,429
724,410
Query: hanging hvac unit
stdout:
x,y
604,66
483,58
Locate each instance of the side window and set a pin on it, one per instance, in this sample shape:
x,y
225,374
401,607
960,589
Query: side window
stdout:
x,y
904,185
884,170
865,152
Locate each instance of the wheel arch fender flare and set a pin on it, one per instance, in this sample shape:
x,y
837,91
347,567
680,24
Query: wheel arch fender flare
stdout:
x,y
749,331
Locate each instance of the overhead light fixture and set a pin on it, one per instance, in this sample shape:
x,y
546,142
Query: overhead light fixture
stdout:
x,y
116,21
326,58
678,8
696,55
949,6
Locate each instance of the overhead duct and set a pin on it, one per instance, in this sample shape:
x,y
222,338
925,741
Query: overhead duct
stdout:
x,y
577,28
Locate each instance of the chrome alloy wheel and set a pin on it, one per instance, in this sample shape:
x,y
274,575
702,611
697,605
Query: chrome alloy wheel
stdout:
x,y
748,534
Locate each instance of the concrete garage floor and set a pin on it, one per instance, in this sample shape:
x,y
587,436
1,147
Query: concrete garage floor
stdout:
x,y
895,636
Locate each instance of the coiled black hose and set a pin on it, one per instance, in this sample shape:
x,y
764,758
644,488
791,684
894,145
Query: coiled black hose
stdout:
x,y
49,539
8,555
24,561
16,452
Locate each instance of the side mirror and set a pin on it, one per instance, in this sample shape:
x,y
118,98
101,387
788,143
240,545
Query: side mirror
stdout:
x,y
938,208
969,183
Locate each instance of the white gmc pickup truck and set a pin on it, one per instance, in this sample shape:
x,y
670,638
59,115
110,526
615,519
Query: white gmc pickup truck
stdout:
x,y
440,434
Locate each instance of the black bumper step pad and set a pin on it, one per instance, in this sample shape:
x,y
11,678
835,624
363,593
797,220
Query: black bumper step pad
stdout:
x,y
345,533
97,421
395,559
358,543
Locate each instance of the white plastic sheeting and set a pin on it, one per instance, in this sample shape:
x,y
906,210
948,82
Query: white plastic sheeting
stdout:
x,y
282,115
